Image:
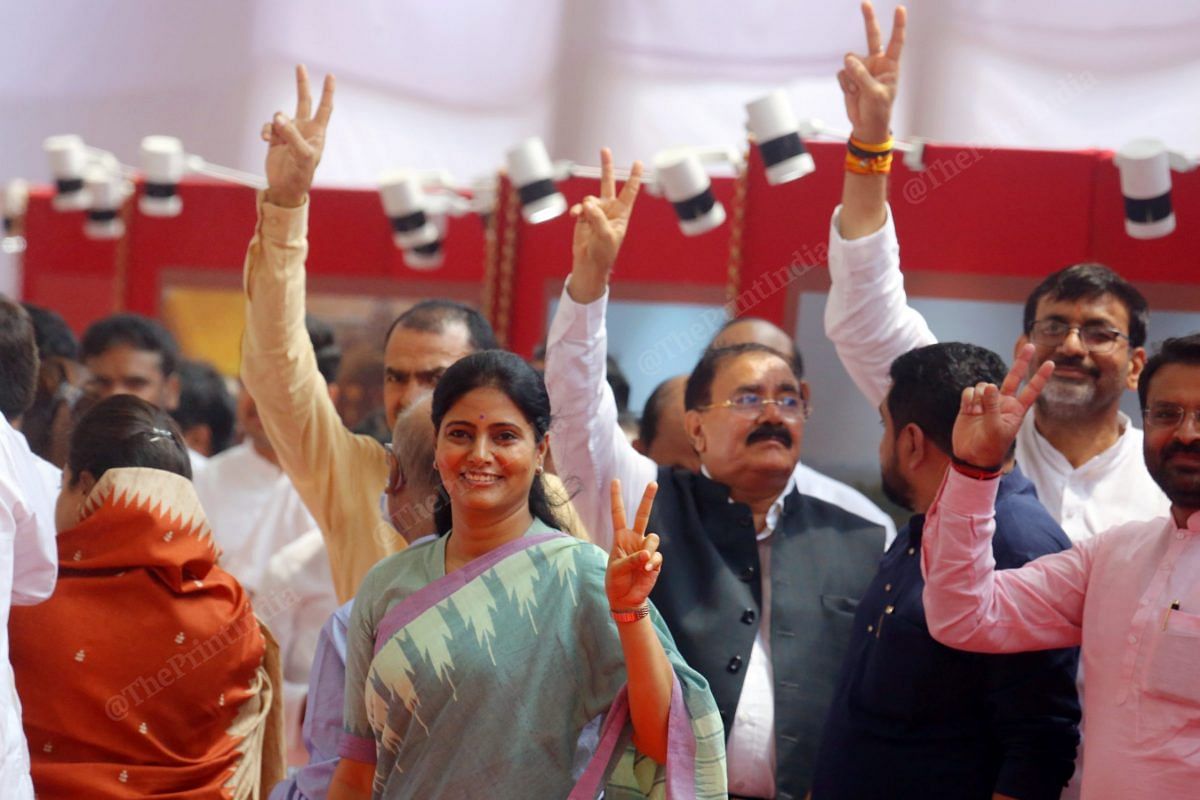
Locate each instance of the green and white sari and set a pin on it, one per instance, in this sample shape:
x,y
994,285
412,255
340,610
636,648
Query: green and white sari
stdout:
x,y
478,683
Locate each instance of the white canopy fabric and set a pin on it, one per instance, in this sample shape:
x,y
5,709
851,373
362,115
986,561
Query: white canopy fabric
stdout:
x,y
453,85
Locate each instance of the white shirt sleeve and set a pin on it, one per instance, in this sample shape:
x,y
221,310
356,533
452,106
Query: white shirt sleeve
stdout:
x,y
35,547
867,316
588,445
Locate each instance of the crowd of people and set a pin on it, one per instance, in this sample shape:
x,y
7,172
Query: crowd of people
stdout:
x,y
463,605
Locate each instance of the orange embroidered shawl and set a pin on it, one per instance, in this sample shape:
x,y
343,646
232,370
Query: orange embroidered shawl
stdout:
x,y
143,675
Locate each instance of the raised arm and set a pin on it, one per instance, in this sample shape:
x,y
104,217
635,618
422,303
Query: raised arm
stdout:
x,y
340,476
968,604
867,315
589,447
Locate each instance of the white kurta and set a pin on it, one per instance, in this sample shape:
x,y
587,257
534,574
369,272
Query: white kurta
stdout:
x,y
298,587
869,320
28,570
253,509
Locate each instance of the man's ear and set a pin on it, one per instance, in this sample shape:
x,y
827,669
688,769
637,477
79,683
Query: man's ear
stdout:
x,y
693,424
86,482
805,392
171,389
199,438
1137,362
335,392
911,446
639,446
1022,340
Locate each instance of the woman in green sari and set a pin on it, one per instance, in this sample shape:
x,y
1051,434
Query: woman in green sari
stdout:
x,y
475,660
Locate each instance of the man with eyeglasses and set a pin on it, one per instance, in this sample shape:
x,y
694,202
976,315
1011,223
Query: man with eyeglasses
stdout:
x,y
1129,596
762,579
1081,452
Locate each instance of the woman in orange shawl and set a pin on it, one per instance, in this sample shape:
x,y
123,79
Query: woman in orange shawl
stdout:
x,y
143,675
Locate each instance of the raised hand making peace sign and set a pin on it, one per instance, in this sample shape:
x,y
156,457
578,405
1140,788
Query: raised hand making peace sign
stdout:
x,y
869,81
600,227
634,561
989,418
296,144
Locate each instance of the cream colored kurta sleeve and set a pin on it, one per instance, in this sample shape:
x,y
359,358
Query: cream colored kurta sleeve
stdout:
x,y
339,475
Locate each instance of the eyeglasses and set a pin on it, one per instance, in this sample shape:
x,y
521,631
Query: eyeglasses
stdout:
x,y
1169,415
1095,338
751,404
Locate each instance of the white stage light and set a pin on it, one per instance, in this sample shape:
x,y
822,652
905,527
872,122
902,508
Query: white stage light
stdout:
x,y
681,177
1145,166
163,162
68,158
16,202
404,202
531,171
777,132
106,190
426,257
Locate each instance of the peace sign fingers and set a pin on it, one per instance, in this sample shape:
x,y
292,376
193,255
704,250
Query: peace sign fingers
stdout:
x,y
303,93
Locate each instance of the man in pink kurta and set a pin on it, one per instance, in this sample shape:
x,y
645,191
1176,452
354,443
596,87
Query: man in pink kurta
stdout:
x,y
1130,597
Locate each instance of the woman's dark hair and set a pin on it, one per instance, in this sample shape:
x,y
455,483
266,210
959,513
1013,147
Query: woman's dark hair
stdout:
x,y
510,374
126,431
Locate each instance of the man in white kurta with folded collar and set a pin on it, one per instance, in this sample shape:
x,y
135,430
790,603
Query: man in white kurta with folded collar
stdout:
x,y
28,556
1083,455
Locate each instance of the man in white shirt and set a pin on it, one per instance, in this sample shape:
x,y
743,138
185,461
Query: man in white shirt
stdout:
x,y
251,504
132,354
1083,455
763,579
28,555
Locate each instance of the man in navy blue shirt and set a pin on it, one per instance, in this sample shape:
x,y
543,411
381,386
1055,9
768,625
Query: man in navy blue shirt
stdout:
x,y
912,718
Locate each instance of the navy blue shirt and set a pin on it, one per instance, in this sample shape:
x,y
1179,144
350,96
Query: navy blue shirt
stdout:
x,y
914,718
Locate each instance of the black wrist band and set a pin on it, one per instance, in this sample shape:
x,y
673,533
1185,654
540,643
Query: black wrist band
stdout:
x,y
858,152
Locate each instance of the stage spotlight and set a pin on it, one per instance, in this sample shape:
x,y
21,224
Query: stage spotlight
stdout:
x,y
404,202
163,162
1145,166
425,257
777,132
531,171
68,158
106,190
681,177
16,201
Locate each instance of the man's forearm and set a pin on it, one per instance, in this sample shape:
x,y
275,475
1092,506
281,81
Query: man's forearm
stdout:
x,y
864,205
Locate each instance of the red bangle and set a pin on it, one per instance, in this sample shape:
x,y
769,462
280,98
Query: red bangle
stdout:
x,y
976,472
630,614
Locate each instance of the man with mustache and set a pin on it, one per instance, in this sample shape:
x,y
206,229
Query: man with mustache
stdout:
x,y
1081,453
763,579
1129,596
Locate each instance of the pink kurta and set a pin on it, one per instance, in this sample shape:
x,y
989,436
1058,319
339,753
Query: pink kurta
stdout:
x,y
1110,593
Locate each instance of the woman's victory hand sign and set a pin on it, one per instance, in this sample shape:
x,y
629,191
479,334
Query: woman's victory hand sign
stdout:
x,y
296,144
989,418
634,563
869,81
